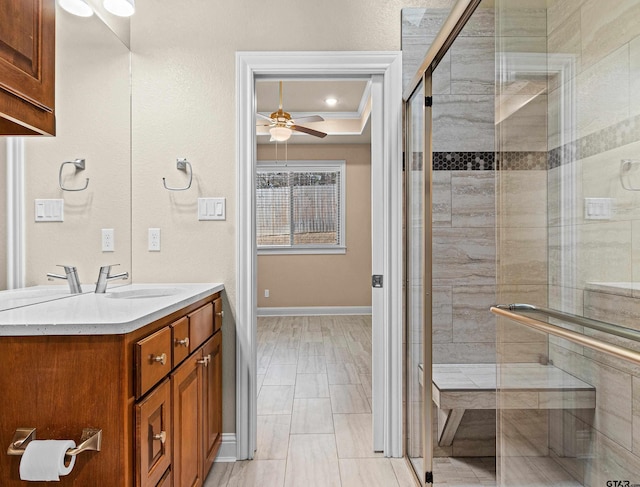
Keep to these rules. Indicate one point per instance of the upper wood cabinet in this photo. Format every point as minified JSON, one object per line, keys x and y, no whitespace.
{"x":27,"y":67}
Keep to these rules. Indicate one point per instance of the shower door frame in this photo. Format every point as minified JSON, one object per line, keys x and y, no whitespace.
{"x":458,"y":17}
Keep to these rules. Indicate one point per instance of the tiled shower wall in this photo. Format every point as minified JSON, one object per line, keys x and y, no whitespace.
{"x":463,"y":182}
{"x":603,"y":39}
{"x":592,"y":50}
{"x":464,"y":247}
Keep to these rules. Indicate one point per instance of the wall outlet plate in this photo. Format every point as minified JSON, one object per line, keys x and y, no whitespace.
{"x":108,"y":244}
{"x":154,"y":240}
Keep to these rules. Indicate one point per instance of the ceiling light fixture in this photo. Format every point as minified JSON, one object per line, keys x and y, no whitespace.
{"x":121,"y":8}
{"x":76,"y":7}
{"x":280,"y":134}
{"x":331,"y":101}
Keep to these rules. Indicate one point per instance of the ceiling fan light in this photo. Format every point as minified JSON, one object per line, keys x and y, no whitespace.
{"x":121,"y":8}
{"x":76,"y":7}
{"x":280,"y":134}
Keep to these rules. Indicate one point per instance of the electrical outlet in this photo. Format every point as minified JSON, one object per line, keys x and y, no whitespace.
{"x":108,"y":245}
{"x":266,"y":293}
{"x":154,"y":240}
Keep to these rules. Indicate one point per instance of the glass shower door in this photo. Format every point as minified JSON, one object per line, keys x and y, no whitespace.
{"x":418,"y":282}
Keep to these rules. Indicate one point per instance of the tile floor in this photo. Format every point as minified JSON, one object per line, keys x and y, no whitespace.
{"x":314,"y":413}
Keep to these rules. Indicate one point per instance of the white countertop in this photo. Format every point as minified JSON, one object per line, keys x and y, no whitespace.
{"x":103,"y":314}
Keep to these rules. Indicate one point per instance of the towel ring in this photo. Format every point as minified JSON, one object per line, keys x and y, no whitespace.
{"x":79,"y":165}
{"x":182,"y":165}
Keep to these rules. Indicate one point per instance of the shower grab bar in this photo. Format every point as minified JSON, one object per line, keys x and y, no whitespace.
{"x":511,"y":312}
{"x":610,"y":328}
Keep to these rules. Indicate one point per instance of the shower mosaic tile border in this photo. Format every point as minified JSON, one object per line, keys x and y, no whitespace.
{"x":617,"y":135}
{"x":489,"y":161}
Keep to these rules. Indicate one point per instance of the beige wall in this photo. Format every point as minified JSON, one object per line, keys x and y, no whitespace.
{"x":326,"y":280}
{"x":184,"y":85}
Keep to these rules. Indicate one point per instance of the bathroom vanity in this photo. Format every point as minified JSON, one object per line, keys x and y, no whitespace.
{"x":142,"y":363}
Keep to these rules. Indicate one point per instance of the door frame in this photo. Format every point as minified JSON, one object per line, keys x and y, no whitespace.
{"x":385,"y":70}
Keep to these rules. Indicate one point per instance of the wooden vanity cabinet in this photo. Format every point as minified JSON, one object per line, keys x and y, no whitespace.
{"x":27,"y":67}
{"x":160,"y":421}
{"x":195,"y":393}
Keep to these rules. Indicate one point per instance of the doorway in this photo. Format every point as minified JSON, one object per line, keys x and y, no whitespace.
{"x":385,"y":71}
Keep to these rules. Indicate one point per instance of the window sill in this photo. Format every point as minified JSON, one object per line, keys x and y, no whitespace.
{"x":302,"y":250}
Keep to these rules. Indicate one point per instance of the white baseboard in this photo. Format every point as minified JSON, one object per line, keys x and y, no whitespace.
{"x":227,"y":452}
{"x":315,"y":311}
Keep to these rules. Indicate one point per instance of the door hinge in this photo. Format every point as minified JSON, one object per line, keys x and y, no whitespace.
{"x":428,"y":478}
{"x":376,"y":280}
{"x":428,"y":101}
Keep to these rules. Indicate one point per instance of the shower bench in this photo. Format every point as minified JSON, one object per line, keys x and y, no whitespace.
{"x":458,"y":387}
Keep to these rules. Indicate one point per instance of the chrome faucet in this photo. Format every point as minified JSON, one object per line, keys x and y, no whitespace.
{"x":105,"y":276}
{"x":71,"y":277}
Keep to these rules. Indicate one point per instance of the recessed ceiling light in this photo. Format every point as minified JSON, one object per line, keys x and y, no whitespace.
{"x":331,"y":101}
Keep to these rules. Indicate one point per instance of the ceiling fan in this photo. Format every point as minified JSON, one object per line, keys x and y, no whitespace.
{"x":282,"y":125}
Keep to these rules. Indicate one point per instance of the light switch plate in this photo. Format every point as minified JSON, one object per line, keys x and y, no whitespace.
{"x":212,"y":209}
{"x":49,"y":210}
{"x":598,"y":208}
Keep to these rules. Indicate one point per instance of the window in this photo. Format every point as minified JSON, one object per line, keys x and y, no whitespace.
{"x":300,"y":207}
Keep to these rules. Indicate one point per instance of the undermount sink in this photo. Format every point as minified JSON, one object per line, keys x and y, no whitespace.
{"x":143,"y":293}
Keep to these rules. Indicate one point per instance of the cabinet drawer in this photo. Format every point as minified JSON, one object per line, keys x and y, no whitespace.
{"x":153,"y":359}
{"x":180,"y":339}
{"x":200,"y":325}
{"x":219,"y":314}
{"x":153,"y":436}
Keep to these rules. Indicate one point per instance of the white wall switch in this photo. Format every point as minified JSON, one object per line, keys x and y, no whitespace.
{"x":108,"y":244}
{"x":49,"y":210}
{"x":266,"y":293}
{"x":212,"y":209}
{"x":598,"y":208}
{"x":154,"y":240}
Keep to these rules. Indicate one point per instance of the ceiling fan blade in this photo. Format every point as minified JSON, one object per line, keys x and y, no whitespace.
{"x":309,"y":131}
{"x":311,"y":118}
{"x":260,"y":115}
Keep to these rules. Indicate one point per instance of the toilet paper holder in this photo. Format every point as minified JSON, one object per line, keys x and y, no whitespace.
{"x":91,"y":440}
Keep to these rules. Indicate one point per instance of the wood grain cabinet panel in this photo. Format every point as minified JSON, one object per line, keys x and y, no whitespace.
{"x":153,"y":359}
{"x":200,"y":325}
{"x":27,"y":67}
{"x":153,"y":436}
{"x":212,"y":397}
{"x":180,"y":340}
{"x":218,"y":314}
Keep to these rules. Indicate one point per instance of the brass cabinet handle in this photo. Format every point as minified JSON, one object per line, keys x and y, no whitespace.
{"x":204,"y":360}
{"x":162,"y":437}
{"x":221,"y":314}
{"x":184,"y":342}
{"x":159,"y":358}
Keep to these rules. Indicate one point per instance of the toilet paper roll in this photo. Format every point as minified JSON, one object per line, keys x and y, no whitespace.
{"x":44,"y":460}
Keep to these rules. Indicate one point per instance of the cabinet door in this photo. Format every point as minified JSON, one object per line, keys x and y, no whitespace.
{"x":153,"y":436}
{"x":27,"y":66}
{"x":186,"y":386}
{"x":212,"y":400}
{"x":166,"y":480}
